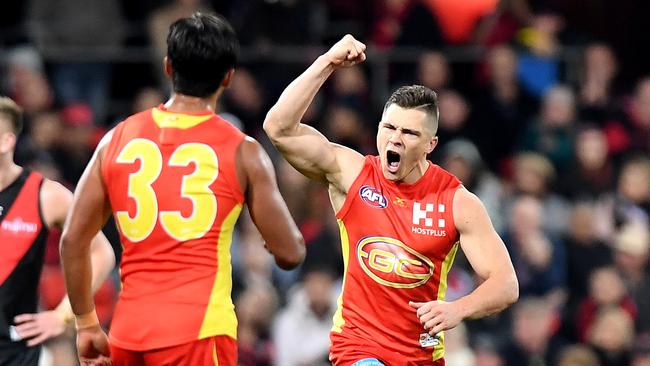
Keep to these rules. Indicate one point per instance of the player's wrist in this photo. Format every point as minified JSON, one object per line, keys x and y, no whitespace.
{"x":464,"y":307}
{"x":65,"y":315}
{"x":328,"y":61}
{"x":86,"y":320}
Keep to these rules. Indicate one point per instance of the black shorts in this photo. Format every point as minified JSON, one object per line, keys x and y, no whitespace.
{"x":27,"y":356}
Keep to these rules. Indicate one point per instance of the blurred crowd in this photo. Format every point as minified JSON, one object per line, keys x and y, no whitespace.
{"x":557,"y":148}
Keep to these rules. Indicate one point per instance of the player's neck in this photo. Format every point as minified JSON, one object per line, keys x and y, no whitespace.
{"x":188,"y":104}
{"x":9,"y":171}
{"x":416,"y":173}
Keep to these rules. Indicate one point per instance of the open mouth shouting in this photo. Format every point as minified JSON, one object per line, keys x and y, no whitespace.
{"x":393,"y":159}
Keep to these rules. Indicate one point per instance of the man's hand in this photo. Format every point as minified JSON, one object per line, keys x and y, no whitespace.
{"x":92,"y":346}
{"x":40,"y":327}
{"x":437,"y":315}
{"x":347,"y":52}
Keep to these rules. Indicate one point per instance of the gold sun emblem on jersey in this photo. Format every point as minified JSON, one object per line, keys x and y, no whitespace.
{"x":401,"y":202}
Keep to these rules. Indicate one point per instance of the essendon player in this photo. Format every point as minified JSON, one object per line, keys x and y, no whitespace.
{"x":29,"y":206}
{"x":175,"y":178}
{"x":401,"y":219}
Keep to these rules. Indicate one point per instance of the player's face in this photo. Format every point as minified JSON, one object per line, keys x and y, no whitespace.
{"x":7,"y":137}
{"x":403,"y":141}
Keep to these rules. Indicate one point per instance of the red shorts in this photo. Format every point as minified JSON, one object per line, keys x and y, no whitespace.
{"x":217,"y":350}
{"x":346,"y":352}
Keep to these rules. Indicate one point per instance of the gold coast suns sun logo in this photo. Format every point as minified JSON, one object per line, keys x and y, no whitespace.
{"x":392,"y":263}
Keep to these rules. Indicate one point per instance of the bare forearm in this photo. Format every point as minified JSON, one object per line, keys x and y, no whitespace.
{"x":103,"y":261}
{"x":492,"y":296}
{"x":286,"y":114}
{"x":77,"y":270}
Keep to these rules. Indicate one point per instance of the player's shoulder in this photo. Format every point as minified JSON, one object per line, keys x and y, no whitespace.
{"x":55,"y":200}
{"x":444,"y":179}
{"x":147,"y":114}
{"x":136,"y":119}
{"x":467,"y":206}
{"x":54,"y":192}
{"x":230,"y":129}
{"x":249,"y":148}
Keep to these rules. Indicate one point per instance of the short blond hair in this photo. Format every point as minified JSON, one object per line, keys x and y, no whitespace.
{"x":13,"y":113}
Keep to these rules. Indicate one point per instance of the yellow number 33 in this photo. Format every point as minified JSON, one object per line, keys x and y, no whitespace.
{"x":195,"y":187}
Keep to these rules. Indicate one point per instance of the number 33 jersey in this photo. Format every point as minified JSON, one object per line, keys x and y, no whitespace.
{"x":172,"y":184}
{"x":399,"y":241}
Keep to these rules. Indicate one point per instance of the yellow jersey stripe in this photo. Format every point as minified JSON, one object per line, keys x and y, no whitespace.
{"x":439,"y":350}
{"x":220,"y":318}
{"x":166,"y":119}
{"x":444,"y":271}
{"x":345,"y":249}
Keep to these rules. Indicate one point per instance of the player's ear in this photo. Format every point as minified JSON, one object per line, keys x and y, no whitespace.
{"x":167,"y":66}
{"x":433,"y":142}
{"x":227,"y":79}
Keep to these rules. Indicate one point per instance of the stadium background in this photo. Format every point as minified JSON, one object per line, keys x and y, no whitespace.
{"x":544,"y":113}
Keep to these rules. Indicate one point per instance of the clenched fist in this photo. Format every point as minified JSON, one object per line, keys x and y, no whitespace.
{"x":347,"y":52}
{"x":436,"y":316}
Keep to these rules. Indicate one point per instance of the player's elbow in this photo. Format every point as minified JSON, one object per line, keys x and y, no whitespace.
{"x":72,"y":245}
{"x":271,"y":127}
{"x":511,"y":290}
{"x":275,"y":125}
{"x":67,"y":243}
{"x":269,"y":124}
{"x":293,"y":257}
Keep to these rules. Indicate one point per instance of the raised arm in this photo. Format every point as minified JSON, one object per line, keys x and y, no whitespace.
{"x":40,"y":327}
{"x":303,"y":146}
{"x":267,"y":208}
{"x":488,"y":256}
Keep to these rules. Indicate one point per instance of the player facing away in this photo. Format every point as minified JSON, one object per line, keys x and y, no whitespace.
{"x":401,"y":220}
{"x":30,"y":205}
{"x":175,"y":179}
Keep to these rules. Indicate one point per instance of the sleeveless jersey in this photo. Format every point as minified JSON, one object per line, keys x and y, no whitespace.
{"x":399,"y":241}
{"x":23,"y":237}
{"x":173,"y":188}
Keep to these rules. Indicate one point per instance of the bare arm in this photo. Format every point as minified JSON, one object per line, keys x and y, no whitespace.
{"x":303,"y":146}
{"x":488,"y":256}
{"x":57,"y":201}
{"x":90,"y":210}
{"x":267,"y":208}
{"x":38,"y":328}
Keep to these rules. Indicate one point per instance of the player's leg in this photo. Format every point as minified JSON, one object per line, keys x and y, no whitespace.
{"x":217,"y":351}
{"x":123,"y":357}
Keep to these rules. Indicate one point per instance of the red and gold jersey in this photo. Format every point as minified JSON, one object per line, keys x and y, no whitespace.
{"x":399,"y":241}
{"x":173,"y":188}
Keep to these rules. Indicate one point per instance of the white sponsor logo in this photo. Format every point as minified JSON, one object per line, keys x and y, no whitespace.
{"x":430,"y":232}
{"x":19,"y":226}
{"x":424,"y":216}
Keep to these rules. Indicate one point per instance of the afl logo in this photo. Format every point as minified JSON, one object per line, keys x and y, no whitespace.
{"x":373,"y":197}
{"x":391,"y":263}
